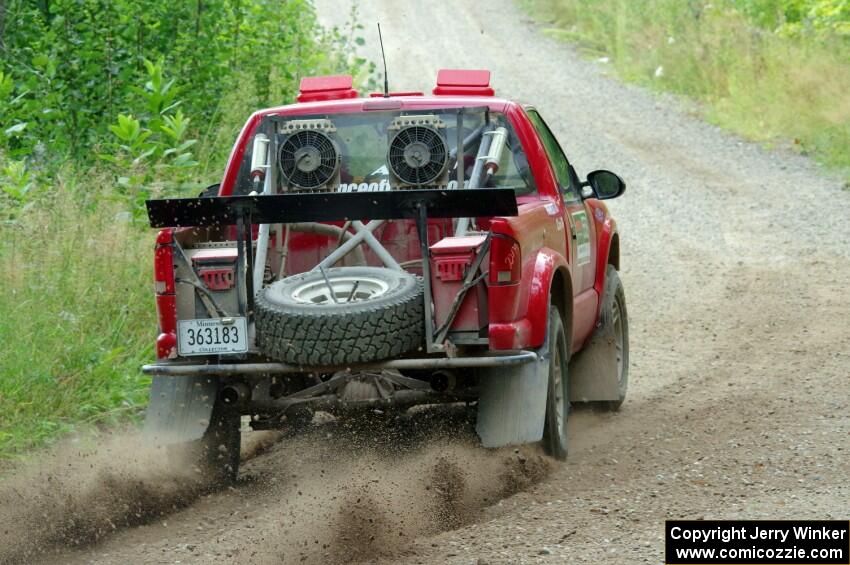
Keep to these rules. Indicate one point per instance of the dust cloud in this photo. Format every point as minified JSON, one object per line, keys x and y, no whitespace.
{"x":79,"y":493}
{"x":345,"y":491}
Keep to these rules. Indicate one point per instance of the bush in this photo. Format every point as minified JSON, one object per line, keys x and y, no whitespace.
{"x":69,"y":67}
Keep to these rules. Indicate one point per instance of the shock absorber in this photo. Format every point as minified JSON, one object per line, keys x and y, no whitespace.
{"x":259,"y":159}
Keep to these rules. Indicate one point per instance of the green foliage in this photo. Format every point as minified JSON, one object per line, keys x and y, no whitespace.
{"x":158,"y":94}
{"x":156,"y":87}
{"x":773,"y":70}
{"x":798,"y":17}
{"x":69,"y":67}
{"x":17,"y":184}
{"x":133,"y":140}
{"x":16,"y":180}
{"x":141,"y":153}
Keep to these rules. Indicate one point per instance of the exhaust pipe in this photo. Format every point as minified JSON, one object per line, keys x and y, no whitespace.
{"x":234,"y":394}
{"x":443,"y":381}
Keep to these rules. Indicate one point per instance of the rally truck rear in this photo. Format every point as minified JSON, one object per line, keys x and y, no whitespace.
{"x":383,"y":252}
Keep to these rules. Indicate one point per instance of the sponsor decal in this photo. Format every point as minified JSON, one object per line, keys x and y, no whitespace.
{"x":383,"y":186}
{"x":580,"y":223}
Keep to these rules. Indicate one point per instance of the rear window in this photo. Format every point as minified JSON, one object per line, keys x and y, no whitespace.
{"x":377,"y":151}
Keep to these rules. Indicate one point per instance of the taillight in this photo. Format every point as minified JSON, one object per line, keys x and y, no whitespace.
{"x":166,"y":305}
{"x":505,"y":260}
{"x":163,"y":265}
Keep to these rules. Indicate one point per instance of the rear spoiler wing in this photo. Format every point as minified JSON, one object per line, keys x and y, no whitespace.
{"x":333,"y":206}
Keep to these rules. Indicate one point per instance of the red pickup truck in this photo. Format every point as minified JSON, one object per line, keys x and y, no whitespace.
{"x":387,"y":251}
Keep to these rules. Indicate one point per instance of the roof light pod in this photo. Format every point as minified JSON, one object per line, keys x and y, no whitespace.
{"x":463,"y":82}
{"x":317,"y":89}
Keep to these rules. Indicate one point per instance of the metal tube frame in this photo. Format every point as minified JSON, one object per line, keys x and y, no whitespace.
{"x":331,"y":402}
{"x":350,"y":244}
{"x":240,"y":268}
{"x":422,"y":231}
{"x":166,"y":369}
{"x":379,"y":249}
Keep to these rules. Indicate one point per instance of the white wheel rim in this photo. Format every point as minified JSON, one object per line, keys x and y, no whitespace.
{"x":560,"y":394}
{"x":617,"y":323}
{"x":339,"y":290}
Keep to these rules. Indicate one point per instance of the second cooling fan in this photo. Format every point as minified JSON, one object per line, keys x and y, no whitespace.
{"x":418,"y":154}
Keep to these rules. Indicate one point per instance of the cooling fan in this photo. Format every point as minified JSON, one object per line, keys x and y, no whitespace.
{"x":309,"y":158}
{"x":418,"y":154}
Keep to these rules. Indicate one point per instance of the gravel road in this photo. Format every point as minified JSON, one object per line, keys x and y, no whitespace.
{"x":735,"y":267}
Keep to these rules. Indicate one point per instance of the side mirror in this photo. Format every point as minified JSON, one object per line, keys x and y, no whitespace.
{"x":605,"y":184}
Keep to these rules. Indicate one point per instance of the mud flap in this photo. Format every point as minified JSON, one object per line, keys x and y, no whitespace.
{"x":179,"y":409}
{"x":512,"y":404}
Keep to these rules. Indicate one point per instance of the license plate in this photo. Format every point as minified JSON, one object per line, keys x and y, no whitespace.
{"x":212,"y":336}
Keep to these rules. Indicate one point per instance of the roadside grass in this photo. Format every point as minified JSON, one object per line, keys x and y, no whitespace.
{"x":77,"y":316}
{"x":769,"y":86}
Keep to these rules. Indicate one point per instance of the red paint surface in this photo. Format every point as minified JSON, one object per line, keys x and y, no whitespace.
{"x":606,"y":227}
{"x":166,"y":345}
{"x":314,"y":89}
{"x":463,"y":82}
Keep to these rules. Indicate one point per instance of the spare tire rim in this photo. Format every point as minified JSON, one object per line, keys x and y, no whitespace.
{"x":339,"y":290}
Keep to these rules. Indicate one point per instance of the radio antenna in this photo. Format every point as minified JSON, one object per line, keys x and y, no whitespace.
{"x":384,"y":57}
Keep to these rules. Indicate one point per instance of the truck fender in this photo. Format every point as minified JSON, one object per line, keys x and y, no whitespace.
{"x":547,"y":263}
{"x":179,"y":409}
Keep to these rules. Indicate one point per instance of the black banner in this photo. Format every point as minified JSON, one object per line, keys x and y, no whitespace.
{"x":757,"y":542}
{"x":331,"y":206}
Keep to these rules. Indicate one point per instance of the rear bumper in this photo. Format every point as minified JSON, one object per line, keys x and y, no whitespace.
{"x":180,"y":369}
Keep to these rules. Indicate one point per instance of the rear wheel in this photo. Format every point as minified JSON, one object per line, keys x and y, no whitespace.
{"x":557,"y":399}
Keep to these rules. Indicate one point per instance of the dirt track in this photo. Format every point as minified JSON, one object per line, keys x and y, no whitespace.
{"x":735,"y":267}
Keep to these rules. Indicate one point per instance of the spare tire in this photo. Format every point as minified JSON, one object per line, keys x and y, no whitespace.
{"x":355,"y":315}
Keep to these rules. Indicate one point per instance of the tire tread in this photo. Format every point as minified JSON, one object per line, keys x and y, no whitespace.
{"x":359,"y":333}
